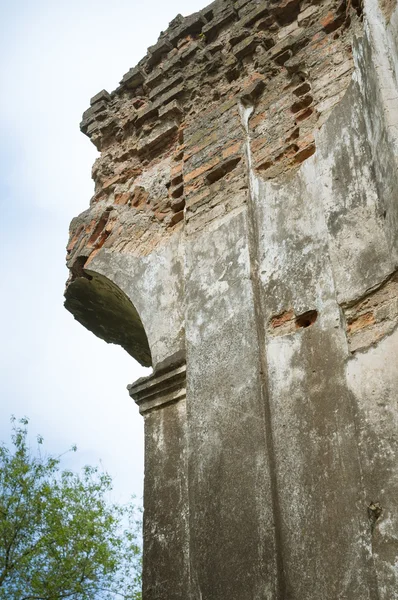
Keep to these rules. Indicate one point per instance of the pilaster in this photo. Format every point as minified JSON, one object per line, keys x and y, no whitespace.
{"x":161,"y":400}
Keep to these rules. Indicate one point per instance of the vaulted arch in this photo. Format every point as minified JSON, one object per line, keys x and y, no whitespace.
{"x":103,"y":308}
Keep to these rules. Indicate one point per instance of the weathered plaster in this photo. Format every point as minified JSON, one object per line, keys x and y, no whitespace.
{"x":156,"y":288}
{"x":374,"y":386}
{"x":243,"y":240}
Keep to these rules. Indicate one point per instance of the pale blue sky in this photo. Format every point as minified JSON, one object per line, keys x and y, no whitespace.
{"x":53,"y":57}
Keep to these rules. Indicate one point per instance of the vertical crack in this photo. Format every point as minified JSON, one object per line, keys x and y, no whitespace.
{"x":253,"y":242}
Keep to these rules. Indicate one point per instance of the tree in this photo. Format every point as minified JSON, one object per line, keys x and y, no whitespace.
{"x":59,"y":536}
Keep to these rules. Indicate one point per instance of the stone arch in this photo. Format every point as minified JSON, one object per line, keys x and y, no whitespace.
{"x":104,"y":308}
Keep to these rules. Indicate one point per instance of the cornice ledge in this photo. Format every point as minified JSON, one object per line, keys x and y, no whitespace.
{"x":160,"y":388}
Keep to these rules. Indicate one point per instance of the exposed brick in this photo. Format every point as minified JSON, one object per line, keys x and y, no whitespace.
{"x":157,"y":138}
{"x":139,"y":196}
{"x":177,"y":217}
{"x":171,"y":109}
{"x":122,"y":198}
{"x":373,"y":316}
{"x":287,"y":322}
{"x":304,"y":153}
{"x":231,"y":149}
{"x":332,"y":22}
{"x":103,"y":95}
{"x":133,"y":78}
{"x":200,"y":170}
{"x":222,"y":169}
{"x":180,"y":104}
{"x":147,"y":112}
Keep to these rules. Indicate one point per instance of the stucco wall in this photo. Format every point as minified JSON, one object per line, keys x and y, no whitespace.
{"x":253,"y":227}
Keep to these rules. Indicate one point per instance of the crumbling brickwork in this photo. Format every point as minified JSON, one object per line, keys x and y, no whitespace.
{"x":243,"y":241}
{"x":171,"y":135}
{"x":371,"y":318}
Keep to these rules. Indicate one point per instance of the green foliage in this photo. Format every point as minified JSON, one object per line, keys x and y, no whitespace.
{"x":59,"y":536}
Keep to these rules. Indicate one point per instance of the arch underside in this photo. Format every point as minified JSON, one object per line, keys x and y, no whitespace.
{"x":102,"y":307}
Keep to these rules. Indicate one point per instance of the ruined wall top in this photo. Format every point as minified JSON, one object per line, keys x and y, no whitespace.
{"x":169,"y":133}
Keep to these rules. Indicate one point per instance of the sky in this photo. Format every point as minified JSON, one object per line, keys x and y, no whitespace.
{"x":54,"y":56}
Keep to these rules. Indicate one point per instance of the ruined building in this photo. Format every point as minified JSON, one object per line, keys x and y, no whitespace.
{"x":242,"y":240}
